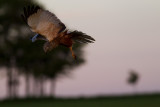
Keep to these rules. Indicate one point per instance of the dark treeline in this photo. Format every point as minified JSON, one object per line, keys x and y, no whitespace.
{"x":22,"y":57}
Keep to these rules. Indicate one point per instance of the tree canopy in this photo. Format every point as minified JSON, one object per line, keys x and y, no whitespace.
{"x":27,"y":57}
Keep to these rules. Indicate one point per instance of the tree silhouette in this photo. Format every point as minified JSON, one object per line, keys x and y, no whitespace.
{"x":133,"y":78}
{"x":26,"y":58}
{"x":10,"y":28}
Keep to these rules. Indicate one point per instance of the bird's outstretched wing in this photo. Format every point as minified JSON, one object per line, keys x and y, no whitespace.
{"x":43,"y":22}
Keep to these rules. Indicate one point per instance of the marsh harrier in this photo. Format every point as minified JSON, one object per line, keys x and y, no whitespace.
{"x":49,"y":28}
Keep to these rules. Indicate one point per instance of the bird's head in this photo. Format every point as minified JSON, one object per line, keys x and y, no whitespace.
{"x":48,"y":46}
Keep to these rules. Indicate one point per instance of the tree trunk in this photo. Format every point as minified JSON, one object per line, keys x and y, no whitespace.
{"x":14,"y":77}
{"x":52,"y":87}
{"x":15,"y":83}
{"x":9,"y":83}
{"x":36,"y":87}
{"x":27,"y":88}
{"x":42,"y":86}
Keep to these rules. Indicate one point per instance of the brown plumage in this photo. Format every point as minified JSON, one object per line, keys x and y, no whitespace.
{"x":49,"y":28}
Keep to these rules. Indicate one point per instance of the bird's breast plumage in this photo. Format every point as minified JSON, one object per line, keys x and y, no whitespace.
{"x":66,"y":41}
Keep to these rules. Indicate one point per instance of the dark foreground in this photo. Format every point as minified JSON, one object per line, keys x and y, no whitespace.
{"x":128,"y":101}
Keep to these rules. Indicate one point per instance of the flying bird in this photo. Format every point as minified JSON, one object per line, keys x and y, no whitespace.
{"x":48,"y":27}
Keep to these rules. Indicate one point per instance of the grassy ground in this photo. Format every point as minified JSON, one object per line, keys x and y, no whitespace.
{"x":136,"y":101}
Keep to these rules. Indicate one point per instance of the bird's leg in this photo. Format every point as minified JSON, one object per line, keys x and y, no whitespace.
{"x":73,"y":55}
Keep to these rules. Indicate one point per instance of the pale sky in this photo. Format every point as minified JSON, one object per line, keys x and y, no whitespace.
{"x":127,"y":34}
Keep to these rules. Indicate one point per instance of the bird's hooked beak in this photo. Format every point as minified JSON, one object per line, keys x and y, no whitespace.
{"x":34,"y":38}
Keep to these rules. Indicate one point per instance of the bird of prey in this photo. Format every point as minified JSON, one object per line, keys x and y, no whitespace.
{"x":48,"y":27}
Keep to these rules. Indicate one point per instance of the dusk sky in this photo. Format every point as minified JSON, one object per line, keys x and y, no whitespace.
{"x":127,"y":34}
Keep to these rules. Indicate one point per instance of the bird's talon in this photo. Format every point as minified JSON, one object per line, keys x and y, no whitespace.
{"x":74,"y":57}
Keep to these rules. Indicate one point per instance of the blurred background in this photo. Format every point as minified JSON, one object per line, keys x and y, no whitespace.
{"x":124,"y":60}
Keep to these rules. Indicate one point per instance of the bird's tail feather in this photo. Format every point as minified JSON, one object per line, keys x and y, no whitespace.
{"x":81,"y":37}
